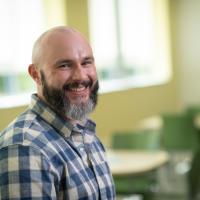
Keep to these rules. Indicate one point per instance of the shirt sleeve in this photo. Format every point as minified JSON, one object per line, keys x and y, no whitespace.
{"x":25,"y":174}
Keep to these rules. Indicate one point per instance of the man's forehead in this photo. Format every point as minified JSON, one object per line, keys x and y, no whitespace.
{"x":63,"y":31}
{"x":64,"y":39}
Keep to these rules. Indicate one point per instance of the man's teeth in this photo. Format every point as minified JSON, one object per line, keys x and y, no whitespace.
{"x":79,"y":89}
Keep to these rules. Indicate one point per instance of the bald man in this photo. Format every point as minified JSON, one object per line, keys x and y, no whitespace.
{"x":51,"y":150}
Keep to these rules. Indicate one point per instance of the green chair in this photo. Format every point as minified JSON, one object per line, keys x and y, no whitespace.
{"x":179,"y":133}
{"x":194,"y":178}
{"x":143,"y":185}
{"x":136,"y":140}
{"x":193,"y":110}
{"x":180,"y":139}
{"x":194,"y":175}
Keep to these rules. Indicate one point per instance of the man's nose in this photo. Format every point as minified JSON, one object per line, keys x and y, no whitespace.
{"x":78,"y":73}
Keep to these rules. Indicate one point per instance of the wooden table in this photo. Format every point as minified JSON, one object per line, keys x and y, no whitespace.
{"x":131,"y":162}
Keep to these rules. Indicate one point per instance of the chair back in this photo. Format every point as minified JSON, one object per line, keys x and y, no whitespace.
{"x":178,"y":132}
{"x":138,"y":140}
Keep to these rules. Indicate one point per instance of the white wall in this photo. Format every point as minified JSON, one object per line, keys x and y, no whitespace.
{"x":185,"y":18}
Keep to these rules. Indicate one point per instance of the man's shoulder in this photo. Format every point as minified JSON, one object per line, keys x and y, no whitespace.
{"x":16,"y":132}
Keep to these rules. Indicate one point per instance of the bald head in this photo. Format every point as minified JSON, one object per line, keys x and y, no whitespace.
{"x":65,"y":73}
{"x":47,"y":38}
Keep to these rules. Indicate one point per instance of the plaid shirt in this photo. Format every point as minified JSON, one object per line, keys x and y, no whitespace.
{"x":45,"y":157}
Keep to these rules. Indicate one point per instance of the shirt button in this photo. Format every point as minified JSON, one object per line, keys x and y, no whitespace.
{"x":82,"y":149}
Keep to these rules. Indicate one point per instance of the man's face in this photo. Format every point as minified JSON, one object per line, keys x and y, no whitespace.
{"x":68,"y":76}
{"x":60,"y":102}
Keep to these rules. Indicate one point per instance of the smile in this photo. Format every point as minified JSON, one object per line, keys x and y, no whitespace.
{"x":78,"y":89}
{"x":78,"y":86}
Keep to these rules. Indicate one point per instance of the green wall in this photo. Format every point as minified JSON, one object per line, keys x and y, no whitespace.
{"x":7,"y":115}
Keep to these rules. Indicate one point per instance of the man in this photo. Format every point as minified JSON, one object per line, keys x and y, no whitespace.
{"x":51,"y":151}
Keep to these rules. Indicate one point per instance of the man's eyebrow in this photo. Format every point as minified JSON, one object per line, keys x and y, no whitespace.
{"x":61,"y":61}
{"x":89,"y":58}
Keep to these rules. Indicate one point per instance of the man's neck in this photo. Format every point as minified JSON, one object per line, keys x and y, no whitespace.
{"x":73,"y":121}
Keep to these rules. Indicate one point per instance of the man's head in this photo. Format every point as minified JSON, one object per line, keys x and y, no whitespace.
{"x":64,"y":70}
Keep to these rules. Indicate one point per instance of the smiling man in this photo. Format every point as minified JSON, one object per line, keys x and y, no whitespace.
{"x":51,"y":150}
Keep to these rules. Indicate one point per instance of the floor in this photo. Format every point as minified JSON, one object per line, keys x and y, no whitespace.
{"x":170,"y":197}
{"x":157,"y":197}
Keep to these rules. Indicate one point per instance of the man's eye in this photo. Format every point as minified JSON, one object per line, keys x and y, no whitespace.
{"x":65,"y":65}
{"x":87,"y":62}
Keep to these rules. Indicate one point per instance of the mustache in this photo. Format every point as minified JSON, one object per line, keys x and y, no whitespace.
{"x":76,"y":84}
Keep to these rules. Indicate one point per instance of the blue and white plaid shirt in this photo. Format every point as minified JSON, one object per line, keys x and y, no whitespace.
{"x":42,"y":156}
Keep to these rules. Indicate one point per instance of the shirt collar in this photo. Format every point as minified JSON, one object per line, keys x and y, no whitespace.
{"x":61,"y":125}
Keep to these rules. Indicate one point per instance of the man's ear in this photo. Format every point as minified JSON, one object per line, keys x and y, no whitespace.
{"x":34,"y":73}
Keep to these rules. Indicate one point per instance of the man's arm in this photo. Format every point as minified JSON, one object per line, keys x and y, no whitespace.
{"x":25,"y":173}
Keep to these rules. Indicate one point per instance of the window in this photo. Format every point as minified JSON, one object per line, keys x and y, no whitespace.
{"x":21,"y":23}
{"x":130,"y":42}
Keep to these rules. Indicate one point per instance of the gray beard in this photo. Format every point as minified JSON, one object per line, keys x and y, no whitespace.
{"x":80,"y":111}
